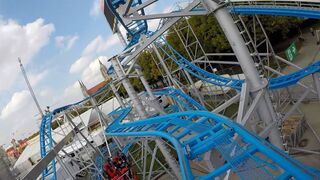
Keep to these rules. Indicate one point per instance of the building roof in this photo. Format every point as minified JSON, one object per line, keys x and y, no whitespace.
{"x":96,"y":87}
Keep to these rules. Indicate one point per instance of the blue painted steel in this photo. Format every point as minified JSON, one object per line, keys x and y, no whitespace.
{"x":274,"y":83}
{"x":46,"y":142}
{"x":277,"y":11}
{"x":99,"y":164}
{"x":203,"y":131}
{"x":195,"y":70}
{"x":134,"y":28}
{"x":293,"y":78}
{"x":181,"y":98}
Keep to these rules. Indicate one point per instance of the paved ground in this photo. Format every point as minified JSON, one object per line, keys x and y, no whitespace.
{"x":309,"y":53}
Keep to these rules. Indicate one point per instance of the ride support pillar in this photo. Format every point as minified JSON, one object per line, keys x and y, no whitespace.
{"x":246,"y":62}
{"x":101,"y":118}
{"x":145,"y":83}
{"x":137,"y":104}
{"x":316,"y":80}
{"x":164,"y":66}
{"x":104,"y":72}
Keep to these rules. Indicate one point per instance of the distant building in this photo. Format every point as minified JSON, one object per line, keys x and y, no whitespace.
{"x":96,"y":88}
{"x":17,"y":147}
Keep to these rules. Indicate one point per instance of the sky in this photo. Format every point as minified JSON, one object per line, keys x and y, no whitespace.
{"x":59,"y":43}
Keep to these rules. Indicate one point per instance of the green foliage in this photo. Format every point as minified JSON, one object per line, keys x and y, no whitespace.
{"x":209,"y":34}
{"x":213,"y":40}
{"x":33,"y":135}
{"x":149,"y":67}
{"x":56,"y":124}
{"x":278,"y":28}
{"x":212,"y":37}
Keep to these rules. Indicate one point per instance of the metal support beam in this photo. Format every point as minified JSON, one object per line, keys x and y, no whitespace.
{"x":169,"y":158}
{"x":154,"y":101}
{"x":246,"y":62}
{"x":164,"y":66}
{"x":104,"y":73}
{"x":252,"y":108}
{"x":101,"y":118}
{"x":132,"y":10}
{"x":304,"y":150}
{"x":171,"y":22}
{"x":223,"y":106}
{"x":197,"y":92}
{"x":244,"y":98}
{"x":295,"y":106}
{"x":168,"y":15}
{"x":42,"y":164}
{"x":281,"y":74}
{"x":316,"y":81}
{"x":137,"y":104}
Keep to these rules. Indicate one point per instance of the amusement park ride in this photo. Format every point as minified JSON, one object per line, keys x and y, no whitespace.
{"x":175,"y":132}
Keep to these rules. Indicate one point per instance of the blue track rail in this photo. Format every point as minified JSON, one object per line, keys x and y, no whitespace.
{"x":274,"y":83}
{"x":46,"y":144}
{"x":46,"y":141}
{"x":187,"y":103}
{"x":194,"y":133}
{"x":134,"y":28}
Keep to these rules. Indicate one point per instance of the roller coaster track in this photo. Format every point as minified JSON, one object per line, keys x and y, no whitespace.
{"x":297,"y":8}
{"x":274,"y":83}
{"x":302,"y":8}
{"x":222,"y":127}
{"x":46,"y":140}
{"x":194,"y":133}
{"x":182,"y":99}
{"x":219,"y":134}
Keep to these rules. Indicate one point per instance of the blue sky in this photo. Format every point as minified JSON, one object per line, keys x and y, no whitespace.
{"x":59,"y":43}
{"x":49,"y":36}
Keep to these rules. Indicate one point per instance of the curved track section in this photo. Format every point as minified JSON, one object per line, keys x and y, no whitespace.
{"x":194,"y":133}
{"x":274,"y":83}
{"x":181,"y":98}
{"x":297,"y":8}
{"x":134,"y":28}
{"x":46,"y":144}
{"x":46,"y":141}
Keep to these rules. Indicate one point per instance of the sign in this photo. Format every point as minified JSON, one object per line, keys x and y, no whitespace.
{"x":291,"y":52}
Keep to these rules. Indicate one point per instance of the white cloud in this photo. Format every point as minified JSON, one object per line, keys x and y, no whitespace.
{"x":96,"y":46}
{"x":99,"y":45}
{"x":18,"y":116}
{"x":70,"y":95}
{"x":37,"y":77}
{"x":91,"y":75}
{"x":153,"y":24}
{"x":95,"y":8}
{"x":66,"y":42}
{"x":89,"y":67}
{"x":23,"y":41}
{"x":80,"y":64}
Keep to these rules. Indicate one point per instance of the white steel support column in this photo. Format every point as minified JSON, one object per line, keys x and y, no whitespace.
{"x":100,"y":116}
{"x":146,"y":85}
{"x":129,"y":88}
{"x":164,"y":66}
{"x":246,"y":62}
{"x":103,"y":70}
{"x":144,"y":81}
{"x":141,"y":111}
{"x":196,"y":91}
{"x":316,"y":80}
